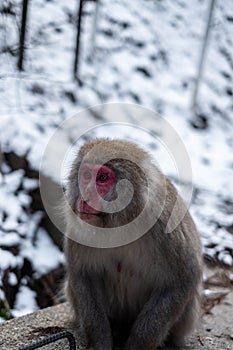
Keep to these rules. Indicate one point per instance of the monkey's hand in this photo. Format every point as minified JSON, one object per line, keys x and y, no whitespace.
{"x":158,"y":317}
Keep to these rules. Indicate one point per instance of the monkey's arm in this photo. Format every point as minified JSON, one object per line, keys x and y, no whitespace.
{"x":155,"y":320}
{"x":164,"y":308}
{"x":86,"y":297}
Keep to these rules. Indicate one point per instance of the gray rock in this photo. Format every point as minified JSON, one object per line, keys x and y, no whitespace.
{"x":216,"y":332}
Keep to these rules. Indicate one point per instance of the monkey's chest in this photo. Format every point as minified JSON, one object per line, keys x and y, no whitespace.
{"x":127,"y":289}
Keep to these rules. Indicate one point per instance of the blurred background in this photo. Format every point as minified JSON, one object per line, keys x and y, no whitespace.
{"x":56,"y":59}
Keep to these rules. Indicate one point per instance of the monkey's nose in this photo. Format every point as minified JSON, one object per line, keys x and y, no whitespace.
{"x":85,"y":199}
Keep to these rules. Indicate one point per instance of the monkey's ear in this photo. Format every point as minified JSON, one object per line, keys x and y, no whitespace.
{"x":72,"y":190}
{"x":74,"y":171}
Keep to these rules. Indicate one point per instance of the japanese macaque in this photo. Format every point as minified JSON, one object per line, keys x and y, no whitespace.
{"x":142,"y":294}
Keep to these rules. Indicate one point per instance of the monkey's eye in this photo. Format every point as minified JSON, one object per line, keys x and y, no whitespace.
{"x":87,"y":175}
{"x":102,"y":178}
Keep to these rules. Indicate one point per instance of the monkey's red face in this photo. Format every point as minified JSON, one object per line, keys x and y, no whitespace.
{"x":95,"y":181}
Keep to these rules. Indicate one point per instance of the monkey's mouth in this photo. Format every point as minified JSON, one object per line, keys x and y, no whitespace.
{"x":88,"y":215}
{"x":87,"y":212}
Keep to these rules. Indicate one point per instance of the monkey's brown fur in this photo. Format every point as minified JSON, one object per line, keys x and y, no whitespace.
{"x":142,"y":294}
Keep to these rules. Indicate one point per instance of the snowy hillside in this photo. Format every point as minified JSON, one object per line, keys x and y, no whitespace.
{"x":146,"y":52}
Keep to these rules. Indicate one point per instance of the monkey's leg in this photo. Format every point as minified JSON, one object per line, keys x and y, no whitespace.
{"x":87,"y":298}
{"x":156,"y":319}
{"x":185,"y":323}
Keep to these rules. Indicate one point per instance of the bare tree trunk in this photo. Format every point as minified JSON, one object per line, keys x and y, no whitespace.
{"x":94,"y":29}
{"x":22,"y":34}
{"x":76,"y":57}
{"x":202,"y":57}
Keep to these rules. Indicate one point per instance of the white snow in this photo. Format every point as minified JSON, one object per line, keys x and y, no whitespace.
{"x":7,"y":259}
{"x":12,"y":279}
{"x":45,"y":256}
{"x":9,"y":239}
{"x":30,"y":184}
{"x":25,"y":302}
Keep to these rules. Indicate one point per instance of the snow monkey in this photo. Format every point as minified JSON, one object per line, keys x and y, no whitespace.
{"x":139,"y":295}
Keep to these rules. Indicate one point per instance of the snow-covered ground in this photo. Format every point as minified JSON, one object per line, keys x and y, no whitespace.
{"x":146,"y":52}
